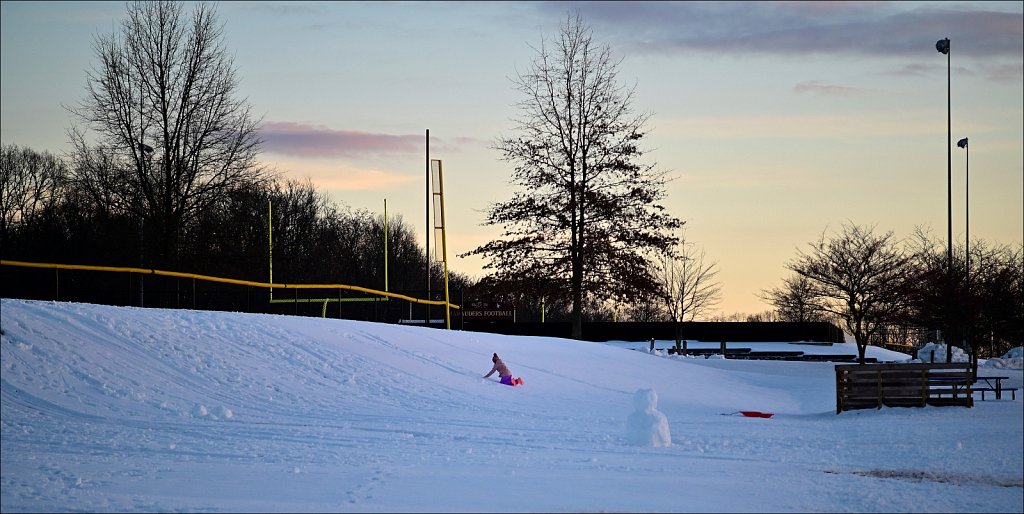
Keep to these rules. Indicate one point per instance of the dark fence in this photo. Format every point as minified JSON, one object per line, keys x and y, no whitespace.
{"x":115,"y":286}
{"x":112,"y":288}
{"x":712,"y":331}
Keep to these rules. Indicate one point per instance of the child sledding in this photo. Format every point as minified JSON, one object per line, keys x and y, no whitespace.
{"x":504,"y":375}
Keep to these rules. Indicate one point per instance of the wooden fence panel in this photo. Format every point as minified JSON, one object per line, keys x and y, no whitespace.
{"x":903,"y":385}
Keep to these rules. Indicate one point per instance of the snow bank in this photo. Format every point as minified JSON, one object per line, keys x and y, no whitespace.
{"x":936,"y":352}
{"x":1013,"y":359}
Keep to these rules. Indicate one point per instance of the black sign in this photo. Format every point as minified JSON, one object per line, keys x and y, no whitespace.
{"x":488,"y":311}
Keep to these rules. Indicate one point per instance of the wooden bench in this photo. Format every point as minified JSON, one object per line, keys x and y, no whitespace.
{"x":775,"y":355}
{"x":1012,"y":390}
{"x":865,"y":386}
{"x":711,"y":351}
{"x":825,"y":357}
{"x":995,"y":385}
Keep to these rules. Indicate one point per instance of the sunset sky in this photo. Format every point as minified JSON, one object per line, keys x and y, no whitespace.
{"x":776,"y":120}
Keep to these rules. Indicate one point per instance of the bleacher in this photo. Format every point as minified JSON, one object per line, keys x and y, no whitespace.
{"x":752,"y":353}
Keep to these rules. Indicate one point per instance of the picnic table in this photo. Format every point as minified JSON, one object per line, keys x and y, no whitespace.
{"x":995,"y":384}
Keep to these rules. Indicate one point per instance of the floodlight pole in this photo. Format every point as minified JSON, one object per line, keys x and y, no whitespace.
{"x":426,"y":226}
{"x":949,"y":168}
{"x":949,"y":186}
{"x":967,"y":253}
{"x":967,"y":210}
{"x":967,"y":270}
{"x":942,"y":46}
{"x":967,"y":213}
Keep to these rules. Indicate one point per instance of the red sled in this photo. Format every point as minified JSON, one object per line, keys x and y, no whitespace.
{"x":512,"y":381}
{"x":756,"y":414}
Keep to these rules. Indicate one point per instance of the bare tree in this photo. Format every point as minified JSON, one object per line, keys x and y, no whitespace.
{"x":29,"y":183}
{"x":795,"y":300}
{"x":170,"y":136}
{"x":687,"y":283}
{"x":985,"y":308}
{"x":857,"y":276}
{"x":648,"y":307}
{"x":768,"y":316}
{"x":937,"y":294}
{"x":588,"y":212}
{"x":997,"y":295}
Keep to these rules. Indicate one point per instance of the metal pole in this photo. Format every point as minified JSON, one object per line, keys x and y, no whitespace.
{"x":973,"y":352}
{"x":949,"y":170}
{"x":270,"y":245}
{"x":427,"y":227}
{"x":967,"y":216}
{"x":142,"y":163}
{"x":949,"y":195}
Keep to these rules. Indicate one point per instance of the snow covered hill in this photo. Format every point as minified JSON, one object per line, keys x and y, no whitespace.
{"x":126,"y":409}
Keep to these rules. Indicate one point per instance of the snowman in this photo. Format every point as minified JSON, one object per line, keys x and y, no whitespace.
{"x":647,"y":426}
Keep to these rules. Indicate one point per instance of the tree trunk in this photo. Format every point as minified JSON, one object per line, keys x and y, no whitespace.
{"x":577,"y":296}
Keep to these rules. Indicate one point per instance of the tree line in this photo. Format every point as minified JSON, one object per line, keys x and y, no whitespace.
{"x":884,"y":291}
{"x":46,"y":216}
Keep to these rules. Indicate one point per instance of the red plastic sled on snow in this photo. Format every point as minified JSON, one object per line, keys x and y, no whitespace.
{"x":751,"y":414}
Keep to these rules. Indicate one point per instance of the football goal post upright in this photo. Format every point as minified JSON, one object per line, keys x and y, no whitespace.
{"x":441,"y":251}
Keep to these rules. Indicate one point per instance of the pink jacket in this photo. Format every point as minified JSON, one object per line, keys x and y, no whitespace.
{"x":500,"y":367}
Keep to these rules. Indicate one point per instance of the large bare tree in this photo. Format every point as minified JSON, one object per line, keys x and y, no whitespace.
{"x":859,"y":277}
{"x":587,"y":211}
{"x":170,"y":135}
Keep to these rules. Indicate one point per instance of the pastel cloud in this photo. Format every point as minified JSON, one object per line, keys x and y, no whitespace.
{"x":801,"y":126}
{"x":817,"y":87}
{"x":301,"y":140}
{"x":334,"y":177}
{"x":800,"y":28}
{"x":317,"y":141}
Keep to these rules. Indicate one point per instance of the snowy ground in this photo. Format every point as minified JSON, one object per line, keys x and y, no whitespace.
{"x":126,"y":409}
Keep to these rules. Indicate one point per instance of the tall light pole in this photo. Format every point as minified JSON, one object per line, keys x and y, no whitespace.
{"x":942,"y":46}
{"x":967,"y":210}
{"x":967,"y":253}
{"x":426,"y":227}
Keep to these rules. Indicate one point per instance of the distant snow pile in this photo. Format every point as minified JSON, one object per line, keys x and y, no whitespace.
{"x":217,"y":413}
{"x":936,"y":352}
{"x":1013,"y":359}
{"x":647,"y":426}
